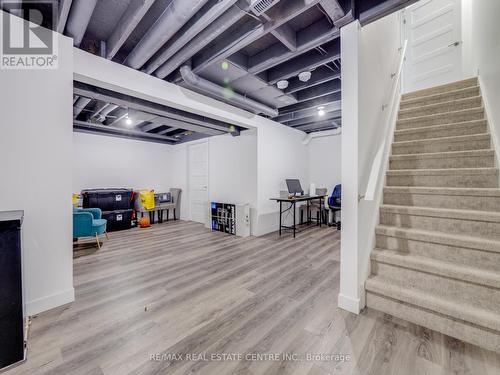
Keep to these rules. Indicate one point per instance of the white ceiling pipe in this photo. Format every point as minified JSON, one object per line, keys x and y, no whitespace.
{"x":101,"y":116}
{"x":200,"y":41}
{"x":188,"y":32}
{"x":171,"y":20}
{"x":79,"y":106}
{"x":204,"y":85}
{"x":79,"y":18}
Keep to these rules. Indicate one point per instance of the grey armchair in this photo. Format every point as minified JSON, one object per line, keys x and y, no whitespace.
{"x":314,"y":208}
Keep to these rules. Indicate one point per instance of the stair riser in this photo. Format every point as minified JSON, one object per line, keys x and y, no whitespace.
{"x":457,"y":255}
{"x":447,"y":131}
{"x":447,"y":118}
{"x":440,"y":108}
{"x":441,"y":89}
{"x":467,"y":332}
{"x":442,"y":98}
{"x":480,"y":295}
{"x":462,"y":226}
{"x":443,"y":163}
{"x":470,"y":181}
{"x":444,"y":201}
{"x":441,"y":146}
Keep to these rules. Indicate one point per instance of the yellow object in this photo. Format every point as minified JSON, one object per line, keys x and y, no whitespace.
{"x":147,"y":199}
{"x":76,"y":196}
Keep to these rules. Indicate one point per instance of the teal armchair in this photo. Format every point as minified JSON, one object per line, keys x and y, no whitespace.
{"x":88,"y":222}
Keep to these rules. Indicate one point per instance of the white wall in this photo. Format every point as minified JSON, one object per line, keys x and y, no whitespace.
{"x":36,"y":154}
{"x":280,"y":155}
{"x":369,"y":57}
{"x":484,"y":50}
{"x":102,"y":161}
{"x":325,"y":161}
{"x":232,"y":170}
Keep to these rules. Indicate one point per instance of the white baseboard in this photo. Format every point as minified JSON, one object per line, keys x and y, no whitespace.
{"x":49,"y":302}
{"x":349,"y":304}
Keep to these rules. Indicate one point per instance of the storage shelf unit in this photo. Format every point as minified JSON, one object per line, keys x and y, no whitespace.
{"x":230,"y":218}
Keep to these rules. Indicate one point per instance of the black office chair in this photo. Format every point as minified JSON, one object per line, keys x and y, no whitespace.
{"x":335,"y":204}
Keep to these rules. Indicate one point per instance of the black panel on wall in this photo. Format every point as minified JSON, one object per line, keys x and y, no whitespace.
{"x":11,"y":290}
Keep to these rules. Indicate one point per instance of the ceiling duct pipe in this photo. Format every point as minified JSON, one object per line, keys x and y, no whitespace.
{"x":79,"y":18}
{"x":102,"y":115}
{"x":189,"y":31}
{"x":171,"y":20}
{"x":201,"y":40}
{"x":209,"y":87}
{"x":79,"y":106}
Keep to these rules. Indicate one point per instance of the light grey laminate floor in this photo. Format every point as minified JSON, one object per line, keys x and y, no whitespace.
{"x":178,"y":299}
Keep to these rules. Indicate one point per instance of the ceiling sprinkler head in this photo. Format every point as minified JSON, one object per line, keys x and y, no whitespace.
{"x":304,"y":76}
{"x":283,"y":84}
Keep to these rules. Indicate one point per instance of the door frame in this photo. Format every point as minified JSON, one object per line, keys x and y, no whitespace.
{"x":188,"y":168}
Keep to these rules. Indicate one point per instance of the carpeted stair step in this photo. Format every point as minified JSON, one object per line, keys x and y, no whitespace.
{"x":433,"y":109}
{"x":451,"y":316}
{"x":443,"y":197}
{"x":442,"y":160}
{"x":441,"y":267}
{"x":467,"y":92}
{"x":472,"y":114}
{"x":485,"y":224}
{"x":440,"y":131}
{"x":458,"y":143}
{"x":457,"y":177}
{"x":462,"y":250}
{"x":454,"y":86}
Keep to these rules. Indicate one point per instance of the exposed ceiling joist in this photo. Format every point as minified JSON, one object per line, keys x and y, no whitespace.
{"x":317,"y":91}
{"x":307,"y":61}
{"x":82,"y":125}
{"x":333,"y":9}
{"x":315,"y":118}
{"x":64,"y":7}
{"x":280,"y":14}
{"x":313,"y":36}
{"x":319,"y":76}
{"x":314,"y":103}
{"x":190,"y":121}
{"x":319,"y":125}
{"x":129,"y":21}
{"x":208,"y":14}
{"x":335,"y":106}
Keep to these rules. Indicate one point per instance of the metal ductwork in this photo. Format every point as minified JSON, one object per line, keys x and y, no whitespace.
{"x":189,"y":31}
{"x":79,"y":18}
{"x":101,"y":115}
{"x":200,"y":41}
{"x":171,"y":20}
{"x":202,"y":84}
{"x":79,"y":106}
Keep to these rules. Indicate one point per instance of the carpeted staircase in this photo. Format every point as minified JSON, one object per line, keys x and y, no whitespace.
{"x":437,"y":256}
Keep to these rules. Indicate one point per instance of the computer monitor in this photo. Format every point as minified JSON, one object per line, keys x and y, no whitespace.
{"x":294,"y":186}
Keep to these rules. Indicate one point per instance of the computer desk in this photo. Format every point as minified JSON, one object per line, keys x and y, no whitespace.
{"x":293,"y":201}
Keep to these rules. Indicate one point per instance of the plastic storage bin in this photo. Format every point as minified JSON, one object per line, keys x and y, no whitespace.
{"x":108,"y":199}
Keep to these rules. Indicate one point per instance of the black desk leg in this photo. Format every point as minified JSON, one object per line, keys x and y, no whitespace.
{"x":294,"y":209}
{"x":320,"y":211}
{"x":281,"y":204}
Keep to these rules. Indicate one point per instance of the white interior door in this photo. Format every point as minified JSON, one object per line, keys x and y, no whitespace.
{"x":198,"y":181}
{"x":434,"y":52}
